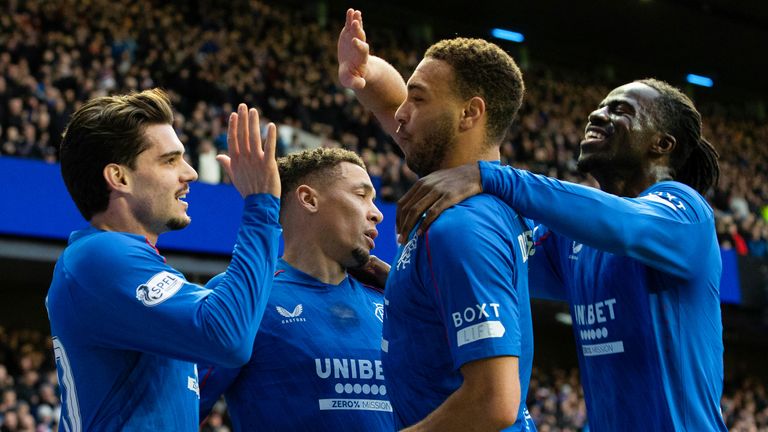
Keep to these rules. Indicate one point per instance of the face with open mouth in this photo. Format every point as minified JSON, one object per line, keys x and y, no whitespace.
{"x":160,"y":182}
{"x":620,"y":131}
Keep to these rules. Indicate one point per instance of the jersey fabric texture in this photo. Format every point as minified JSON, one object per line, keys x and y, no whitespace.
{"x":455,"y":294}
{"x":127,"y":328}
{"x":316,"y":362}
{"x":642,"y":276}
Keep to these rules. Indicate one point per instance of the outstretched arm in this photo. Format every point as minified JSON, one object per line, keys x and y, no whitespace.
{"x":377,"y":85}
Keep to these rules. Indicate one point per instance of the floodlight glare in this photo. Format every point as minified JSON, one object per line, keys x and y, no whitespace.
{"x":507,"y":35}
{"x":699,"y":80}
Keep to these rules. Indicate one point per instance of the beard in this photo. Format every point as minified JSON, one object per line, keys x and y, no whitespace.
{"x":175,"y":224}
{"x":428,"y":154}
{"x":360,"y":257}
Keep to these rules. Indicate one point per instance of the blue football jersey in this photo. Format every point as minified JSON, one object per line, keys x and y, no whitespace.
{"x":455,"y":294}
{"x":127,"y":328}
{"x":316,"y":362}
{"x":642,"y":277}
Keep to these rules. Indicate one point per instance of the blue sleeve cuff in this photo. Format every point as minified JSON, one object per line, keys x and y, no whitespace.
{"x":263,"y":207}
{"x":490,"y":178}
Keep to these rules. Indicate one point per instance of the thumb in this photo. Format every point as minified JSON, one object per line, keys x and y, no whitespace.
{"x":225,"y":163}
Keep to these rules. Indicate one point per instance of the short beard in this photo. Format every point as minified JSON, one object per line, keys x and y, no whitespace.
{"x":176,"y":224}
{"x":429,"y":154}
{"x":361,"y":257}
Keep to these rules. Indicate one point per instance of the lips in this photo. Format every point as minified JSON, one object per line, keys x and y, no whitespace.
{"x":594,"y":134}
{"x":370,"y":235}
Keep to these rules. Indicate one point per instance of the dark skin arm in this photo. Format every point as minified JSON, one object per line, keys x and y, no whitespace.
{"x":374,"y":273}
{"x":435,"y":193}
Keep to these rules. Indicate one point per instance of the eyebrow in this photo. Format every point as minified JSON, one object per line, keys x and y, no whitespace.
{"x":367,"y":187}
{"x":416,"y":86}
{"x":170,"y":154}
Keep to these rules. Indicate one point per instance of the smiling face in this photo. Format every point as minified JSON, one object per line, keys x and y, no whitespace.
{"x":347,"y":215}
{"x":428,"y":117}
{"x":160,"y":181}
{"x":620,"y":131}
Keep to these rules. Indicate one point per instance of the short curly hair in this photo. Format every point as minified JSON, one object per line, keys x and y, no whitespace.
{"x":483,"y":69}
{"x":312,"y":165}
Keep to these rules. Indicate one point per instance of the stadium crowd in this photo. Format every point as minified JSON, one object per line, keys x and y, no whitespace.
{"x":29,"y":391}
{"x":283,"y":61}
{"x":211,"y":56}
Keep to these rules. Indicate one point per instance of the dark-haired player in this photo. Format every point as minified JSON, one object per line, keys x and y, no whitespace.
{"x":457,"y":339}
{"x":316,"y":362}
{"x":127,"y":328}
{"x":638,"y":262}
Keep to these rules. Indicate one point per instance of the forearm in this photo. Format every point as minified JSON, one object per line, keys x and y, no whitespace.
{"x":233,"y":311}
{"x":383,"y":93}
{"x":624,"y":226}
{"x":466,"y":410}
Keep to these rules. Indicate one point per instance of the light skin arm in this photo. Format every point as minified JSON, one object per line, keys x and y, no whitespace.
{"x":488,"y":399}
{"x":377,"y":85}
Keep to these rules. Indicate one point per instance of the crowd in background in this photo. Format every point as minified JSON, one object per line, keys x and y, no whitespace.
{"x":29,"y":393}
{"x":54,"y":55}
{"x":211,"y":57}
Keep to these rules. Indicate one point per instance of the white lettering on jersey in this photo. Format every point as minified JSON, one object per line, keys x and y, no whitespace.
{"x":479,"y":311}
{"x":291,"y":317}
{"x":159,"y":288}
{"x":483,"y":330}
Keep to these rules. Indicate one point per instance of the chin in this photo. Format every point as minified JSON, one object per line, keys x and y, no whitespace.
{"x":176,"y":224}
{"x":360,"y":257}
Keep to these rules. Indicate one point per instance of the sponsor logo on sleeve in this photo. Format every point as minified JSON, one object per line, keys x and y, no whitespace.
{"x":487,"y":328}
{"x":159,"y":288}
{"x":379,"y":312}
{"x":666,"y":199}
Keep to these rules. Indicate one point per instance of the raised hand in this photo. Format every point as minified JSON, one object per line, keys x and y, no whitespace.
{"x":352,"y":52}
{"x":435,"y":193}
{"x":251,"y":164}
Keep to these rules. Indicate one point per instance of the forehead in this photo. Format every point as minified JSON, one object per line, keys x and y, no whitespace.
{"x":162,"y":139}
{"x":432,"y":75}
{"x":350,"y":173}
{"x":637,"y":94}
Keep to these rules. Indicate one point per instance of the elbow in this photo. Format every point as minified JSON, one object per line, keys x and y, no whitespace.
{"x":234,"y":355}
{"x":505,"y":415}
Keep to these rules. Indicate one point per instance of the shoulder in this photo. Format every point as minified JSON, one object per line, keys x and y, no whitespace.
{"x":679,"y":198}
{"x":482,"y":209}
{"x":108,"y":251}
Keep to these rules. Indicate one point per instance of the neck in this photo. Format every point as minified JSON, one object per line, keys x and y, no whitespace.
{"x":468,"y":152}
{"x":308,"y":257}
{"x":113,"y":220}
{"x":631,"y":183}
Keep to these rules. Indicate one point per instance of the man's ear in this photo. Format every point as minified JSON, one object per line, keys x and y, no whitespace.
{"x":117,"y":177}
{"x":664,"y":145}
{"x":307,"y":198}
{"x":473,"y":112}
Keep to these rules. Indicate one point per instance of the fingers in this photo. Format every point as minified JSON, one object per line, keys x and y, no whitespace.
{"x":242,"y":129}
{"x":254,"y":132}
{"x":225,"y":163}
{"x":271,"y":142}
{"x":410,"y":207}
{"x":232,"y":145}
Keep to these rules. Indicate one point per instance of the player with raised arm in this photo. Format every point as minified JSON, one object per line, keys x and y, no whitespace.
{"x":457,"y":340}
{"x":127,"y":328}
{"x":638,"y":262}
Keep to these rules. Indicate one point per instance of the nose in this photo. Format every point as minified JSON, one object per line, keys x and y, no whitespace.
{"x":599,"y":115}
{"x":401,"y":115}
{"x":189,"y":174}
{"x":375,"y":215}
